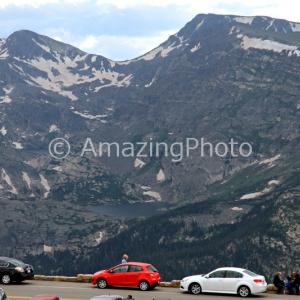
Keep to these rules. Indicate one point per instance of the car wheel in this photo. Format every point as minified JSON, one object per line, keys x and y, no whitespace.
{"x":144,"y":286}
{"x":101,"y":283}
{"x":244,"y":291}
{"x":6,"y":279}
{"x":195,"y":288}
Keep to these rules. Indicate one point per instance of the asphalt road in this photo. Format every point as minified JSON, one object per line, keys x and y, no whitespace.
{"x":85,"y":291}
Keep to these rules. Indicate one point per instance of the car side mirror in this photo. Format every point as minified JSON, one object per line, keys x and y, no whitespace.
{"x":206,"y":276}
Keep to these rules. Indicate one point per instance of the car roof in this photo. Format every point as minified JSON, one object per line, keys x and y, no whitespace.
{"x":231,"y":269}
{"x":136,"y":263}
{"x":8,"y":258}
{"x":5,"y":258}
{"x":106,"y":297}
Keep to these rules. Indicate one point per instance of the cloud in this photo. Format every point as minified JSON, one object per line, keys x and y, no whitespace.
{"x":90,"y":42}
{"x":23,"y":3}
{"x":131,"y":46}
{"x":124,"y":29}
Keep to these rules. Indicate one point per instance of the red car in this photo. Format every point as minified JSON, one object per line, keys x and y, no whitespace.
{"x":141,"y":275}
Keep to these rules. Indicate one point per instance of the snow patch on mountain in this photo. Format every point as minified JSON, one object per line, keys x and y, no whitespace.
{"x":58,"y":168}
{"x":98,"y":240}
{"x":116,"y":82}
{"x":138,"y":163}
{"x":4,"y":54}
{"x":26,"y":178}
{"x":152,"y":194}
{"x":269,"y":188}
{"x":160,"y":50}
{"x":295,"y":26}
{"x":87,"y":116}
{"x":274,"y":182}
{"x":199,"y":25}
{"x":53,"y":128}
{"x":17,"y":145}
{"x":245,"y":20}
{"x":8,"y":181}
{"x":266,"y":45}
{"x":236,"y":208}
{"x":3,"y":130}
{"x":8,"y":90}
{"x":270,"y":25}
{"x":197,"y":47}
{"x":149,"y":84}
{"x":2,"y":42}
{"x":160,"y":176}
{"x":45,"y":185}
{"x":6,"y":98}
{"x":59,"y":74}
{"x":231,"y":30}
{"x":45,"y":48}
{"x":270,"y":161}
{"x":47,"y":249}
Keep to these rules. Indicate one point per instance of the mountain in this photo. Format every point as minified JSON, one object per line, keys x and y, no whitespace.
{"x":228,"y":83}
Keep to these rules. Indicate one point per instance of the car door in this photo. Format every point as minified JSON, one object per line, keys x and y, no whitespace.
{"x":117,"y":276}
{"x":134,"y":275}
{"x":3,"y":266}
{"x":213,"y":282}
{"x":231,"y":280}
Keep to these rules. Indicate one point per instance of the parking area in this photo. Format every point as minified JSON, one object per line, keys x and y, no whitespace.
{"x":85,"y":291}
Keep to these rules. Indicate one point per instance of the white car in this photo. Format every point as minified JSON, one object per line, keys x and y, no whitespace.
{"x":225,"y":280}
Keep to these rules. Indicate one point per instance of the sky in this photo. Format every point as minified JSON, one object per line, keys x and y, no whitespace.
{"x":124,"y":29}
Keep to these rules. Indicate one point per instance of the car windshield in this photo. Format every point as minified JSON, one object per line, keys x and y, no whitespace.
{"x":151,"y":269}
{"x":250,"y":273}
{"x":15,"y":262}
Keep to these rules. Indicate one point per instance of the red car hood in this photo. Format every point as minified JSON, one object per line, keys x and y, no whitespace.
{"x":99,"y":272}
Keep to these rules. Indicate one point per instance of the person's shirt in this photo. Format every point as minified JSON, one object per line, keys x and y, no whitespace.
{"x":124,"y":261}
{"x":291,"y":279}
{"x":277,"y":280}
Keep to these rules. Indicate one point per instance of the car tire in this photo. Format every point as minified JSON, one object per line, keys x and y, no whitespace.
{"x":244,"y":291}
{"x":101,"y":283}
{"x":6,"y":278}
{"x":195,"y":288}
{"x":144,"y":285}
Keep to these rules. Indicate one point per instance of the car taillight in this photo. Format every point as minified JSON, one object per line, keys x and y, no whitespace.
{"x":20,"y":269}
{"x":257,"y":280}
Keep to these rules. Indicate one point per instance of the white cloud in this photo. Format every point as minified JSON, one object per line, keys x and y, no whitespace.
{"x":37,"y":3}
{"x":131,"y":46}
{"x":124,"y":29}
{"x":288,"y":9}
{"x":22,"y":3}
{"x":88,"y":43}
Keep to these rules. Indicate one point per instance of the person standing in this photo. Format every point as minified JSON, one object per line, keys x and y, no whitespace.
{"x":293,"y":281}
{"x":278,"y":282}
{"x":125,"y":258}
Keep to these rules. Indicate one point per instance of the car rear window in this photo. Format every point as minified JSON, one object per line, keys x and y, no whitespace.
{"x":233,"y":274}
{"x":151,"y":269}
{"x":250,"y":273}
